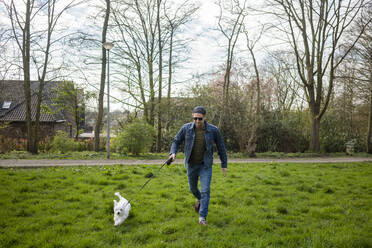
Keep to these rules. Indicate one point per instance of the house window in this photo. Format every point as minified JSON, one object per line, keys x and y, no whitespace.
{"x":6,"y":104}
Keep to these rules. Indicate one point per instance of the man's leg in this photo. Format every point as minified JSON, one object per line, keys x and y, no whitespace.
{"x":192,"y":176}
{"x":205,"y":182}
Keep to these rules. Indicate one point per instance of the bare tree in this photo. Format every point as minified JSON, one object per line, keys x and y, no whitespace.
{"x":98,"y":126}
{"x":31,"y":39}
{"x":160,"y":88}
{"x":251,"y":43}
{"x":281,"y":67}
{"x":52,"y":16}
{"x":314,"y":30}
{"x":359,"y":67}
{"x":176,"y":16}
{"x":364,"y":49}
{"x":135,"y":24}
{"x":147,"y":45}
{"x":230,"y":24}
{"x":20,"y":32}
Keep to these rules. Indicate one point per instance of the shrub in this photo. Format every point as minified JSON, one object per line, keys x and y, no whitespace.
{"x":8,"y":144}
{"x":279,"y":134}
{"x":332,"y":135}
{"x":62,"y":143}
{"x":46,"y":144}
{"x":89,"y":145}
{"x":113,"y":144}
{"x":81,"y":146}
{"x":137,"y":137}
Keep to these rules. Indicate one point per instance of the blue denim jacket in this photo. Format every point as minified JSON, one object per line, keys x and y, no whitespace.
{"x":212,"y":134}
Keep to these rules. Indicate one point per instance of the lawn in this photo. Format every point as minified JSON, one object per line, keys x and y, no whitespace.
{"x":256,"y":205}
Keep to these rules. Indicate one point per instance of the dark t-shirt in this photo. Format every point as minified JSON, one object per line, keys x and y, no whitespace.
{"x":199,"y":146}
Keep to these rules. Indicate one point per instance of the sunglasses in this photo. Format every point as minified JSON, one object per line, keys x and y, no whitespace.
{"x":198,"y":118}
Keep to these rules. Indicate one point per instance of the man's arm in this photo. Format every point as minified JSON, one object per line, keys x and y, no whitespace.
{"x":221,"y":149}
{"x":177,"y":141}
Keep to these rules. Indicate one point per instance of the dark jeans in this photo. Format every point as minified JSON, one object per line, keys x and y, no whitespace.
{"x":194,"y":172}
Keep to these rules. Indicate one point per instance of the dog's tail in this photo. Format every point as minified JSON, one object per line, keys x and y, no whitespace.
{"x":118,"y":195}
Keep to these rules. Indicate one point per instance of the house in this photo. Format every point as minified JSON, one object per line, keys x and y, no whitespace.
{"x":13,"y":111}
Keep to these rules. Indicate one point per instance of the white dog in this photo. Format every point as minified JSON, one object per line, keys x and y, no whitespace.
{"x":121,"y":209}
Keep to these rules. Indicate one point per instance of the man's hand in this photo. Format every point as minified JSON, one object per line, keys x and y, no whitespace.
{"x":224,"y":171}
{"x":173,"y":156}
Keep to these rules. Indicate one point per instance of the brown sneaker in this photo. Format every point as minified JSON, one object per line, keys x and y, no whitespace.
{"x":197,"y":206}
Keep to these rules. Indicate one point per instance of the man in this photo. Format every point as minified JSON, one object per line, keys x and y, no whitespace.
{"x":199,"y":137}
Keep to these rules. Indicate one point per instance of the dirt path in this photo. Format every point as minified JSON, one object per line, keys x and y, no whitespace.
{"x":29,"y":163}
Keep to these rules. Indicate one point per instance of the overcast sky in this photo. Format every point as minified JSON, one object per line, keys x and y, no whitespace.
{"x":207,"y":48}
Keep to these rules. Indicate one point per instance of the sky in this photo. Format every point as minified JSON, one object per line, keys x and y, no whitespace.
{"x":207,"y":49}
{"x":207,"y":52}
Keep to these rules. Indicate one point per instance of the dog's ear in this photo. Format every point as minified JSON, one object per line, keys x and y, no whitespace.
{"x":115,"y":203}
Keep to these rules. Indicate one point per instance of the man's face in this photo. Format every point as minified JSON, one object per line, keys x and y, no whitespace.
{"x":198,"y":119}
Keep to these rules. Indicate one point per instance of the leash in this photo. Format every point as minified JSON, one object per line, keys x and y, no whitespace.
{"x":168,"y":162}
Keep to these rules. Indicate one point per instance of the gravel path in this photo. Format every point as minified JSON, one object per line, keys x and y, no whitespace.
{"x":30,"y":163}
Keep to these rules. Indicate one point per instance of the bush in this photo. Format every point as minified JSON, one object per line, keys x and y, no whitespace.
{"x":137,"y":137}
{"x":81,"y":146}
{"x":62,"y":143}
{"x":278,"y":134}
{"x":332,"y":136}
{"x":45,"y":145}
{"x":8,"y":144}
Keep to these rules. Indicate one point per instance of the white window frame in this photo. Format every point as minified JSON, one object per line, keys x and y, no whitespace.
{"x":6,"y":104}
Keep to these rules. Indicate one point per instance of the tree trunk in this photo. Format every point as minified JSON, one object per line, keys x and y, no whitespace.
{"x":26,"y":75}
{"x":77,"y":117}
{"x":225,"y":91}
{"x":152,"y":91}
{"x":98,"y":126}
{"x":158,"y":143}
{"x":314,"y":139}
{"x":369,"y":132}
{"x":169,"y":78}
{"x":35,"y":147}
{"x":251,"y":147}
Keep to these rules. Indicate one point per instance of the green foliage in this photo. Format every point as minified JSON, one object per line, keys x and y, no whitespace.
{"x":277,"y":134}
{"x":278,"y":131}
{"x":137,"y":137}
{"x":62,"y":143}
{"x":238,"y":119}
{"x":332,"y":137}
{"x":334,"y":134}
{"x":45,"y":145}
{"x":256,"y":205}
{"x":71,"y":98}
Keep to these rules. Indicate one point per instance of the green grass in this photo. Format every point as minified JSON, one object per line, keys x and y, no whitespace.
{"x":257,"y":205}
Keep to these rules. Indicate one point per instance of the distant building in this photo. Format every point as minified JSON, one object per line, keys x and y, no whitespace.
{"x":13,"y":111}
